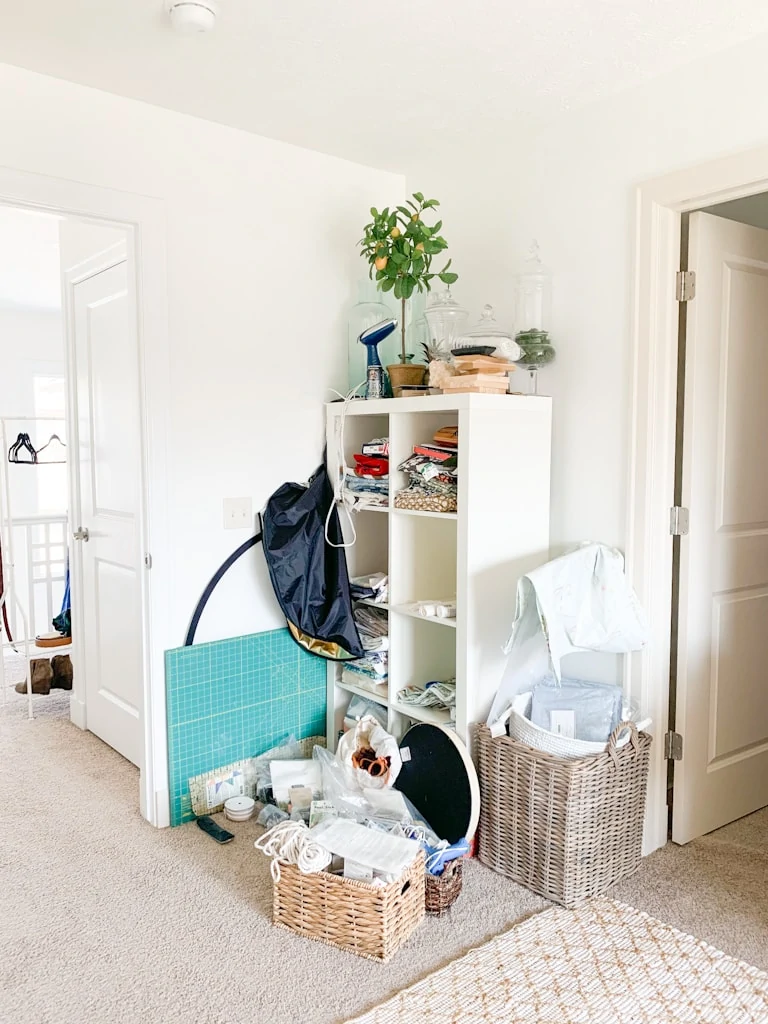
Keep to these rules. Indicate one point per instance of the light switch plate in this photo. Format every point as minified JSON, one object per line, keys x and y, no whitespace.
{"x":238,"y":513}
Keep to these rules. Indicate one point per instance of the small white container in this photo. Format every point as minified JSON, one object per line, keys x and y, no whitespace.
{"x":239,"y":808}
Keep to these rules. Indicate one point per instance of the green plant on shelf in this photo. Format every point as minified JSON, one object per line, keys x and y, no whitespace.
{"x":399,"y":248}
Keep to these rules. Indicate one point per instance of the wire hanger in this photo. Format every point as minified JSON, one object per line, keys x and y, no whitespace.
{"x":21,"y":445}
{"x":58,"y":451}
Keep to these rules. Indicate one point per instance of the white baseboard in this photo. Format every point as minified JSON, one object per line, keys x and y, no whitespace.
{"x":77,"y":713}
{"x":162,"y":809}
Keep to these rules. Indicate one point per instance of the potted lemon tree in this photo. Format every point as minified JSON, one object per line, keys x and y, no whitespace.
{"x":399,"y":247}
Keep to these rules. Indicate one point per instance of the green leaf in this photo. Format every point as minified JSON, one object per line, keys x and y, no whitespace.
{"x":415,"y":207}
{"x":448,"y":278}
{"x":399,"y":288}
{"x":398,"y":257}
{"x":391,"y":269}
{"x":437,"y":227}
{"x":388,"y":285}
{"x":409,"y":283}
{"x":450,"y":261}
{"x":406,"y":247}
{"x":430,"y":204}
{"x":374,"y":212}
{"x":418,"y":196}
{"x":405,"y":211}
{"x":380,"y":274}
{"x":417,"y":267}
{"x":392,"y":220}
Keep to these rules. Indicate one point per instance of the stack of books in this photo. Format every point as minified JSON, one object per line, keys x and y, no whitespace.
{"x":479,"y":375}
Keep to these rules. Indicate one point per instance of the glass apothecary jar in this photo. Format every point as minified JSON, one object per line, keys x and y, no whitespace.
{"x":533,"y":307}
{"x":489,"y":336}
{"x":446,"y":322}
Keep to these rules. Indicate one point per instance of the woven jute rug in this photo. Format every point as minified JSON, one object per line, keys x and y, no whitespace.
{"x":600,"y":964}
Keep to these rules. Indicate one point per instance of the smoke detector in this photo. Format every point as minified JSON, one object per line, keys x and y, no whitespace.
{"x":191,"y":16}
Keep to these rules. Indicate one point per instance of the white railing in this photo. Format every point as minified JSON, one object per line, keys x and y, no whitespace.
{"x":38,"y":570}
{"x":40,"y":556}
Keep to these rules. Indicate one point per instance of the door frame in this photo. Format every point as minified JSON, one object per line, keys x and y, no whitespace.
{"x":659,"y":205}
{"x":143,"y":219}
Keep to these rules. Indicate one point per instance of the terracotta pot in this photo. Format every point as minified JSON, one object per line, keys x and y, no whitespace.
{"x":405,"y":373}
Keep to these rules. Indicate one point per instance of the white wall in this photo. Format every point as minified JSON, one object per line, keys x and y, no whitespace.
{"x":571,"y":185}
{"x":261,"y":265}
{"x":31,"y":344}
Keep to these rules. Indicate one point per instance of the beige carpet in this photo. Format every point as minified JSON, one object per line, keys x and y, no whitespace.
{"x":602,"y":963}
{"x":105,"y":920}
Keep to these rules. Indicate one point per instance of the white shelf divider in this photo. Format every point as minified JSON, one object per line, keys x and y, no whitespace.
{"x":499,"y":533}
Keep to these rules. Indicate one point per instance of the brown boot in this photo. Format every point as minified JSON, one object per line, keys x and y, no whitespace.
{"x":42,"y":676}
{"x":62,"y":672}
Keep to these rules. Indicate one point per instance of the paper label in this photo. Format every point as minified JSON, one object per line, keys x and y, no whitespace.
{"x":320,"y":810}
{"x":405,"y":754}
{"x":563,"y":723}
{"x":357,"y":871}
{"x":218,"y":790}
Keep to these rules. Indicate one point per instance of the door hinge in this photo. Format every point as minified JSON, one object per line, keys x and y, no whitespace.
{"x":673,"y":746}
{"x":685,"y":285}
{"x":147,"y":561}
{"x":679,"y":519}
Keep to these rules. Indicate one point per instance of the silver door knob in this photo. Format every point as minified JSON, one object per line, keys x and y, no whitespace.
{"x":81,"y":533}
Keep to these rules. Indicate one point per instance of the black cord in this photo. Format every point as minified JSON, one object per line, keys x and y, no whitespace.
{"x":215,"y":579}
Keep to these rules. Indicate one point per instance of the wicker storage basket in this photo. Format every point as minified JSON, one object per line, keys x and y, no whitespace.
{"x":521,"y":728}
{"x":370,"y":921}
{"x":442,"y":891}
{"x":566,"y":829}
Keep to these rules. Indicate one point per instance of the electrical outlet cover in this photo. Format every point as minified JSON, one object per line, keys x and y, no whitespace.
{"x":238,"y":513}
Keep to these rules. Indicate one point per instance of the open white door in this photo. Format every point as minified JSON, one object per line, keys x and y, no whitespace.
{"x":722,"y":675}
{"x":104,"y":347}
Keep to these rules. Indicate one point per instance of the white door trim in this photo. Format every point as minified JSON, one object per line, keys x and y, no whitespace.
{"x":144,"y":219}
{"x":659,"y":205}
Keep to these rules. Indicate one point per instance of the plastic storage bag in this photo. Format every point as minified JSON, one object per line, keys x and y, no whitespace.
{"x":368,"y":735}
{"x":576,"y":708}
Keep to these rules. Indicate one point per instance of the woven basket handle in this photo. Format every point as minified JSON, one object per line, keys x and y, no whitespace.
{"x":616,"y":735}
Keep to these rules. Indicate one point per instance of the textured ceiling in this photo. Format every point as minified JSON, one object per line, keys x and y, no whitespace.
{"x":375,"y":82}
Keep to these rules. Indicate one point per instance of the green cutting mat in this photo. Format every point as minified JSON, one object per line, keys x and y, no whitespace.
{"x":237,"y":698}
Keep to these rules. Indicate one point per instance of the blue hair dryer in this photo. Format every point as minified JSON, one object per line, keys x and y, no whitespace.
{"x":374,"y":382}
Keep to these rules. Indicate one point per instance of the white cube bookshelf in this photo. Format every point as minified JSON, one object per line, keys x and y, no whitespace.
{"x":477,"y":554}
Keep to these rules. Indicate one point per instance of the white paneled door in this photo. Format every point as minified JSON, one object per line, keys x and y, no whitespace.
{"x":103,"y":317}
{"x":722,"y":677}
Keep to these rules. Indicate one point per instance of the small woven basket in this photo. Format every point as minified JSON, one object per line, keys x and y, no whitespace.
{"x":370,"y":921}
{"x":442,"y":891}
{"x":566,"y":829}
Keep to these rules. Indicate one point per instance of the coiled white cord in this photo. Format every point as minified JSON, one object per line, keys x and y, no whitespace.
{"x":290,"y":842}
{"x":338,"y":484}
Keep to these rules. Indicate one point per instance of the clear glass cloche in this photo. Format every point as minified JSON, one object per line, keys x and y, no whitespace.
{"x":489,"y":335}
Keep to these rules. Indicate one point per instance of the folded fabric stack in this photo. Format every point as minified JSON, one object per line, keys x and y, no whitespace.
{"x":370,"y":588}
{"x":433,"y":473}
{"x":372,"y":671}
{"x":438,"y":694}
{"x":367,"y":485}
